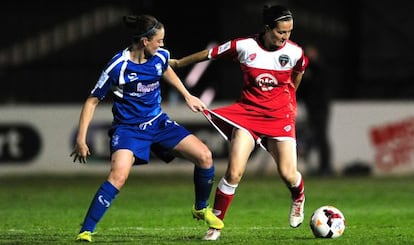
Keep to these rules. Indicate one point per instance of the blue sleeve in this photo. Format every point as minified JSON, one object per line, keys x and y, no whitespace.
{"x":105,"y":81}
{"x":165,"y":56}
{"x":102,"y":86}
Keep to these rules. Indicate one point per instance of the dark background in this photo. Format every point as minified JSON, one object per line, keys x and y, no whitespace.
{"x":54,"y":52}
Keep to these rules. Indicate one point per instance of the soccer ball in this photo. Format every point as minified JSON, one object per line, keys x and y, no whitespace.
{"x":327,"y":222}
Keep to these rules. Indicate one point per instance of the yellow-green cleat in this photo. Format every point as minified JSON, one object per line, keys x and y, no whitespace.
{"x":85,"y":236}
{"x":207,"y":215}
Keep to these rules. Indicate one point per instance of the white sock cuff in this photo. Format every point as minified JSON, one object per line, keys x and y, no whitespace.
{"x":299,"y":180}
{"x":226,"y":188}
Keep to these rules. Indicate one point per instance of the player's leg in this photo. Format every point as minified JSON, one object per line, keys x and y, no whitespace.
{"x":196,"y":151}
{"x":121,"y":164}
{"x":241,"y":145}
{"x":284,"y":154}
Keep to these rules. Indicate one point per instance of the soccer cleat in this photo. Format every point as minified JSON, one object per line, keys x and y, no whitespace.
{"x":207,"y":215}
{"x":85,"y":236}
{"x":296,"y":212}
{"x":212,"y":234}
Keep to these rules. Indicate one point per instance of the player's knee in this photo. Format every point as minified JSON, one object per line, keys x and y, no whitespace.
{"x":205,"y":158}
{"x":234,"y":177}
{"x":288,"y":175}
{"x":118,"y":180}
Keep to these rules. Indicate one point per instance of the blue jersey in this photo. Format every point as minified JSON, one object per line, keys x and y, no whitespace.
{"x":136,"y":87}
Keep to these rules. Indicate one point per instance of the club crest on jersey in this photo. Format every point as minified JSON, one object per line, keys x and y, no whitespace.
{"x":252,"y":56}
{"x":158,"y":67}
{"x":266,"y":81}
{"x":283,"y":60}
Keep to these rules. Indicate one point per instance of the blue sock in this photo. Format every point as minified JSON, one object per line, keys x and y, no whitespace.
{"x":203,"y":182}
{"x":100,"y":203}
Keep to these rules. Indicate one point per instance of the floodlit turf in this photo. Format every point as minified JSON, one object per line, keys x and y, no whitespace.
{"x":156,"y":210}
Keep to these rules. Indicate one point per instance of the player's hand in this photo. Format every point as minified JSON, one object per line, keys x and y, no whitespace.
{"x":80,"y":153}
{"x":195,"y":104}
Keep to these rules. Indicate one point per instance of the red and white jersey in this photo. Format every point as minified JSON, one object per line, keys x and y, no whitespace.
{"x":267,"y":85}
{"x":267,"y":106}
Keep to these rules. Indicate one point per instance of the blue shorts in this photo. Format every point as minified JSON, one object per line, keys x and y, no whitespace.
{"x":159,"y":136}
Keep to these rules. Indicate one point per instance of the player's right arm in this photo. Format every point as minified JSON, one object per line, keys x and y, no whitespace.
{"x":190,"y":59}
{"x":81,"y":150}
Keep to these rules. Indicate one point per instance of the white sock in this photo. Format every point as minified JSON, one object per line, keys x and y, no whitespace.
{"x":226,"y":188}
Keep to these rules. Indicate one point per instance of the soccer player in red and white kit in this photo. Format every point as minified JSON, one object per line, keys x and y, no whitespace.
{"x":264,"y":115}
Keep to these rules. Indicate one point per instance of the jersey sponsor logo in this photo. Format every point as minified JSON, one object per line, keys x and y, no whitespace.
{"x":266,"y":81}
{"x":147,"y":87}
{"x":283,"y":60}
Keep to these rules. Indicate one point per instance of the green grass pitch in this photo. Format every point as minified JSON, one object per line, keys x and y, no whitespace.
{"x":156,"y":210}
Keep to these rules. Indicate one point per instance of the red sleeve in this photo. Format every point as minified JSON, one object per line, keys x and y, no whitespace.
{"x":224,"y":50}
{"x":301,"y":64}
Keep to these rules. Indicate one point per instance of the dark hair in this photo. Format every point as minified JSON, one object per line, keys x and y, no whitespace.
{"x":275,"y":13}
{"x":142,"y":26}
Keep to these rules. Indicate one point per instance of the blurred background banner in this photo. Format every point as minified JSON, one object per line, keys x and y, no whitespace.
{"x":52,"y":53}
{"x":39,"y":139}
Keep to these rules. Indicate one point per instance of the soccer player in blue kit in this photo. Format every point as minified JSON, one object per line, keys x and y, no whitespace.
{"x":139,"y":124}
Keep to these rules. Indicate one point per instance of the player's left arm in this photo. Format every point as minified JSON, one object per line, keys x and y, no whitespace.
{"x":297,"y":78}
{"x":194,"y":103}
{"x":299,"y":70}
